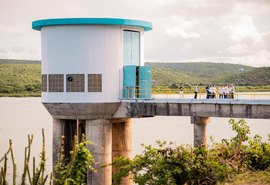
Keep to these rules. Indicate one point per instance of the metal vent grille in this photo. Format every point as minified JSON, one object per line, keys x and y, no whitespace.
{"x":94,"y":83}
{"x":56,"y":83}
{"x":75,"y":82}
{"x":44,"y":83}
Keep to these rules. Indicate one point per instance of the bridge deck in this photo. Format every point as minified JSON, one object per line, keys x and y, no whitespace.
{"x":258,"y":109}
{"x":219,"y":101}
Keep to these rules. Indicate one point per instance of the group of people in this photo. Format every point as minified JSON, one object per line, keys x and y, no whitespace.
{"x":222,"y":92}
{"x":212,"y":92}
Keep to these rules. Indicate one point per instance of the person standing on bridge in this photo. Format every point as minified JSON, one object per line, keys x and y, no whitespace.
{"x":220,"y":91}
{"x":232,"y":91}
{"x":207,"y":91}
{"x":181,"y":91}
{"x":226,"y":92}
{"x":214,"y":91}
{"x":195,"y":91}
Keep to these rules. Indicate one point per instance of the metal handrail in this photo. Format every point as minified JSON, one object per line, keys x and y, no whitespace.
{"x":174,"y":93}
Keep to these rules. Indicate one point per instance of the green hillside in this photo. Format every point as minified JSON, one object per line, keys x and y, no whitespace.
{"x":257,"y":76}
{"x":202,"y":69}
{"x":22,"y":77}
{"x":197,"y":72}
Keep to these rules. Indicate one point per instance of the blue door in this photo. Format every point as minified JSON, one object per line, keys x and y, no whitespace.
{"x":129,"y":81}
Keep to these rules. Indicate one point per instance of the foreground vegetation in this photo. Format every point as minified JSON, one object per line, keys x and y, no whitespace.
{"x":65,"y":173}
{"x":251,"y":178}
{"x":228,"y":161}
{"x":240,"y":160}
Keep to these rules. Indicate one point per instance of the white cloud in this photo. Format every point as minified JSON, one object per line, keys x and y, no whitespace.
{"x":182,"y":28}
{"x":243,"y":28}
{"x":237,"y":49}
{"x":186,"y":30}
{"x":176,"y":31}
{"x":19,"y":53}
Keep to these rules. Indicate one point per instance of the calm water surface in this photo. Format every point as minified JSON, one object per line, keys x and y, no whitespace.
{"x":22,"y":116}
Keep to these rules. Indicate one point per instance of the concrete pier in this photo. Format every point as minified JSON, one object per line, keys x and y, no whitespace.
{"x":99,"y":132}
{"x":57,"y":134}
{"x":122,"y":142}
{"x":68,"y":129}
{"x":200,"y":124}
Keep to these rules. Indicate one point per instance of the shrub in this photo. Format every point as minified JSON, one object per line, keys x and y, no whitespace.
{"x":169,"y":164}
{"x":257,"y":153}
{"x":173,"y":86}
{"x":72,"y":173}
{"x":75,"y":171}
{"x":36,"y":176}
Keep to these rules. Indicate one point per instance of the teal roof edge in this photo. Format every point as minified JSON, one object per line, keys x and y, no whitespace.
{"x":38,"y":24}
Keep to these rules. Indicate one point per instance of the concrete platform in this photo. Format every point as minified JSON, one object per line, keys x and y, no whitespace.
{"x":257,"y":109}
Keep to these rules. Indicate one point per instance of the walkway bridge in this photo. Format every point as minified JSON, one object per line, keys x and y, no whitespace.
{"x":258,"y":109}
{"x":109,"y":126}
{"x":200,"y":111}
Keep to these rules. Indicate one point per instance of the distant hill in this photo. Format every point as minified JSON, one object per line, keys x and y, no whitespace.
{"x":202,"y":69}
{"x":208,"y":73}
{"x":24,"y":76}
{"x":257,"y":76}
{"x":20,"y":76}
{"x":14,"y":61}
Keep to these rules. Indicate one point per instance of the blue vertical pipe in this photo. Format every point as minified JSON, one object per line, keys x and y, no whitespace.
{"x":145,"y":82}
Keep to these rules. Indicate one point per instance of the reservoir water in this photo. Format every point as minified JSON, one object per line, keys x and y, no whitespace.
{"x":22,"y":116}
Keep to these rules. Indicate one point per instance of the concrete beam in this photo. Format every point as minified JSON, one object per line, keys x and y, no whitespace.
{"x":82,"y":110}
{"x":235,"y":109}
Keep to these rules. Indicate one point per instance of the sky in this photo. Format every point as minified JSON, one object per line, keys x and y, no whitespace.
{"x":225,"y":31}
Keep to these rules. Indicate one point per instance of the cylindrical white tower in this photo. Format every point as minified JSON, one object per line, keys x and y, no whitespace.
{"x":88,"y":66}
{"x":83,"y":58}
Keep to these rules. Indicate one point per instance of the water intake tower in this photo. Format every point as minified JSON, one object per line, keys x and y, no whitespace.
{"x":88,"y":66}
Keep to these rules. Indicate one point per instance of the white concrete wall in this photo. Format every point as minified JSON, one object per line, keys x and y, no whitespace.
{"x":85,"y":49}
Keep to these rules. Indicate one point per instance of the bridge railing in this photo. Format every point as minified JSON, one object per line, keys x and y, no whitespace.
{"x":167,"y":93}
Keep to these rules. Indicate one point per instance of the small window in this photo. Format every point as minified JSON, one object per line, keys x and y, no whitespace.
{"x":44,"y":83}
{"x":56,"y":83}
{"x":131,"y":47}
{"x":94,"y":83}
{"x":75,"y":82}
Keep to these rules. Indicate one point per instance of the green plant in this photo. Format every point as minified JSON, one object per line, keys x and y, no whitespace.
{"x":73,"y":173}
{"x":37,"y":177}
{"x":169,"y":164}
{"x":257,"y":153}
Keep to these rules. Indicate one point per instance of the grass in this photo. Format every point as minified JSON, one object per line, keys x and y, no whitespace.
{"x":24,"y":94}
{"x":252,"y":178}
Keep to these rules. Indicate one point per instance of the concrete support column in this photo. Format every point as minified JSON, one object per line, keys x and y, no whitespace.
{"x":122,"y":142}
{"x":200,"y":124}
{"x":99,"y":132}
{"x":67,"y":128}
{"x":58,"y":126}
